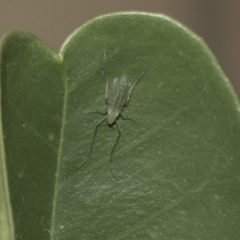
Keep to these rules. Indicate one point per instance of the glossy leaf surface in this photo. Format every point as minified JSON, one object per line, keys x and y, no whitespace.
{"x":177,"y":169}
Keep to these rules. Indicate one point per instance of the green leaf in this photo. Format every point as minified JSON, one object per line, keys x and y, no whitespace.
{"x":6,"y":224}
{"x":32,"y":85}
{"x":177,"y":169}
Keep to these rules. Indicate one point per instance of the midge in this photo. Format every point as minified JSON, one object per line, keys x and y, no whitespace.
{"x":116,"y":98}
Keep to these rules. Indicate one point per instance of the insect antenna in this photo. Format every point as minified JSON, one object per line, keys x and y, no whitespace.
{"x":91,"y":148}
{"x":105,"y":76}
{"x":130,"y":92}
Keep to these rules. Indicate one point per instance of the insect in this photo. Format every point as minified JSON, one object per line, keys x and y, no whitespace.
{"x":116,"y":98}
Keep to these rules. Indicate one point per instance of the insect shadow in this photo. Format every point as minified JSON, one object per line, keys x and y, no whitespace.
{"x":116,"y":98}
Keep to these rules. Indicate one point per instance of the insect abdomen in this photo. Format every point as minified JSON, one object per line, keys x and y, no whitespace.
{"x":118,"y":96}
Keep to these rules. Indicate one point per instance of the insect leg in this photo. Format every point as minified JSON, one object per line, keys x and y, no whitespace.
{"x":124,"y":117}
{"x":105,"y":76}
{"x":91,"y":148}
{"x":117,"y":140}
{"x":135,"y":84}
{"x":97,"y":111}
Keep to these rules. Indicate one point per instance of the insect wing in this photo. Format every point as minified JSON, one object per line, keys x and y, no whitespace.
{"x":118,"y":96}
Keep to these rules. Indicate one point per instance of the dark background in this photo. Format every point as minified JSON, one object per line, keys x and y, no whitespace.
{"x":216,"y":21}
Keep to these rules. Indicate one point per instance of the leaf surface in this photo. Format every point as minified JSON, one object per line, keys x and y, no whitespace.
{"x":177,"y":169}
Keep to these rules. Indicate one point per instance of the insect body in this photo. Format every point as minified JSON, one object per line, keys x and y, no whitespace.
{"x":119,"y":94}
{"x":117,"y":98}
